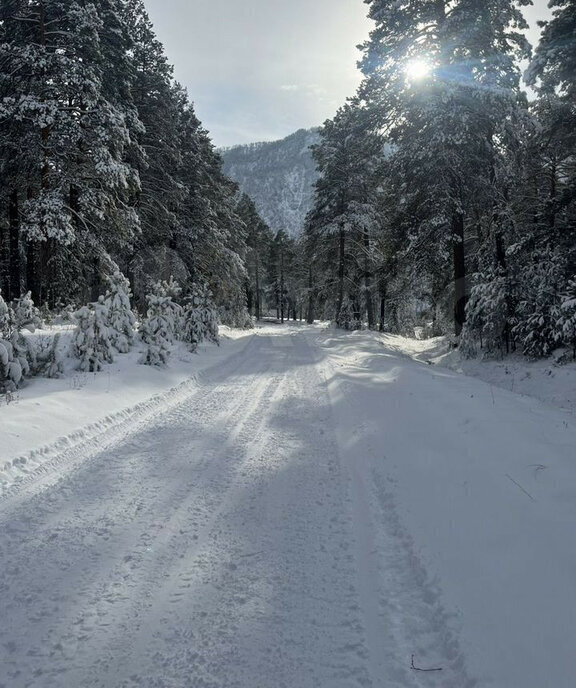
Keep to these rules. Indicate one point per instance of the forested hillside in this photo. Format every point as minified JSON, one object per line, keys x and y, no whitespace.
{"x":279,"y":176}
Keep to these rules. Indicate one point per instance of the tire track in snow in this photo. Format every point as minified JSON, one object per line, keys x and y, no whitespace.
{"x":230,"y":543}
{"x":402,"y":610}
{"x":264,"y":599}
{"x":50,"y":534}
{"x":44,"y":466}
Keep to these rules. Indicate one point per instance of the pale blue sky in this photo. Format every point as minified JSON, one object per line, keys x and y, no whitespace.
{"x":260,"y":69}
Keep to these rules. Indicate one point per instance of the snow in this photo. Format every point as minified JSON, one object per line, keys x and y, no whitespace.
{"x":480,"y":483}
{"x":314,"y":508}
{"x":47,"y":415}
{"x":551,"y":380}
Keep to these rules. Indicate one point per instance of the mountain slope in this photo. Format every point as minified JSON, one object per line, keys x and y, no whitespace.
{"x":279,"y":176}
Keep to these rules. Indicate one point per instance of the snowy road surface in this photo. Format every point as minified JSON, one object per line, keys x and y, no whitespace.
{"x":319,"y":512}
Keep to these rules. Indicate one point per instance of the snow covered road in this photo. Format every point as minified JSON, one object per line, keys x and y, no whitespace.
{"x":319,"y":512}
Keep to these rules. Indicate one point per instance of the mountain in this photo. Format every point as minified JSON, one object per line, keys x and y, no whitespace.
{"x":279,"y":176}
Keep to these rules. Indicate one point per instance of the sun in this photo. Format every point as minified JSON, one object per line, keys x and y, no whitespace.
{"x":418,"y":69}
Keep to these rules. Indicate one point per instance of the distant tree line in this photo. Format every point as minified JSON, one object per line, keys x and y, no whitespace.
{"x":447,"y":199}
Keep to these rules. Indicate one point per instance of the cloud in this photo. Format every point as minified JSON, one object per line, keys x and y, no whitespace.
{"x":262,"y":69}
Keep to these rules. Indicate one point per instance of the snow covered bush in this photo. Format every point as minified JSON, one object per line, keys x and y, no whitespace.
{"x":161,"y":324}
{"x":18,"y":354}
{"x":6,"y":319}
{"x":169,"y":291}
{"x":10,"y":368}
{"x":200,"y":318}
{"x":6,"y":353}
{"x":91,"y":343}
{"x":49,"y":357}
{"x":348,"y":318}
{"x":155,"y":332}
{"x":64,"y":314}
{"x":121,"y":319}
{"x":235,"y":313}
{"x":26,"y":315}
{"x":539,"y":310}
{"x":567,"y":320}
{"x":487,"y":325}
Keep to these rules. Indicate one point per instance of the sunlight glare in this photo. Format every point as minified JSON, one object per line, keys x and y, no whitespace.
{"x":418,"y":69}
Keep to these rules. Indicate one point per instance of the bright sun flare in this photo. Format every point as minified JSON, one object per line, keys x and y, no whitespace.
{"x":418,"y":69}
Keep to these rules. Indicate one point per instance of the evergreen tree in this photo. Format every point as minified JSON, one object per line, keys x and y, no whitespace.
{"x":158,"y":327}
{"x":170,"y":291}
{"x":567,"y":320}
{"x":343,"y":220}
{"x":26,"y":315}
{"x":91,"y":343}
{"x":10,"y":368}
{"x":158,"y":102}
{"x":447,"y":124}
{"x":258,"y":245}
{"x":199,"y":318}
{"x":539,"y":310}
{"x":121,"y":319}
{"x":72,"y":187}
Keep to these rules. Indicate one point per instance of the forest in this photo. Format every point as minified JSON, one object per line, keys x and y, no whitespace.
{"x":445,"y":202}
{"x":110,"y":189}
{"x":447,"y":197}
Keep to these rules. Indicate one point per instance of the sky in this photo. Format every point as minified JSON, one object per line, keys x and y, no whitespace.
{"x":258,"y":70}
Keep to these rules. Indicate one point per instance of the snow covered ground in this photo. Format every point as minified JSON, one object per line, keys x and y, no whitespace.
{"x":548,"y":379}
{"x":49,"y":415}
{"x":315,"y":510}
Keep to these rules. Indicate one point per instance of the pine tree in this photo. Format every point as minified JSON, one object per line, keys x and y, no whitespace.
{"x":539,"y":310}
{"x":75,"y":130}
{"x":199,"y":318}
{"x":158,"y":327}
{"x":26,"y":315}
{"x":158,"y":101}
{"x":121,"y":319}
{"x":170,"y":291}
{"x":447,"y":127}
{"x":487,"y":321}
{"x":567,"y":321}
{"x":13,"y":366}
{"x":213,"y":235}
{"x":91,"y":343}
{"x":258,"y":242}
{"x":554,"y":64}
{"x":343,"y":219}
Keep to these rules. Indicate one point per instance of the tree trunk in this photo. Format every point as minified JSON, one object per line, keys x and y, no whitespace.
{"x":47,"y":253}
{"x":382,"y":292}
{"x":95,"y":281}
{"x":257,"y":305}
{"x":459,"y":272}
{"x":249,"y":300}
{"x":44,"y":249}
{"x":310,"y":314}
{"x":33,"y":271}
{"x":341,"y":272}
{"x":14,"y":269}
{"x":368,"y":282}
{"x":282,"y":285}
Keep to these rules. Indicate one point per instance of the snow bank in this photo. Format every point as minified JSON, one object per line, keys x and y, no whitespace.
{"x":546,"y":380}
{"x":49,"y":416}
